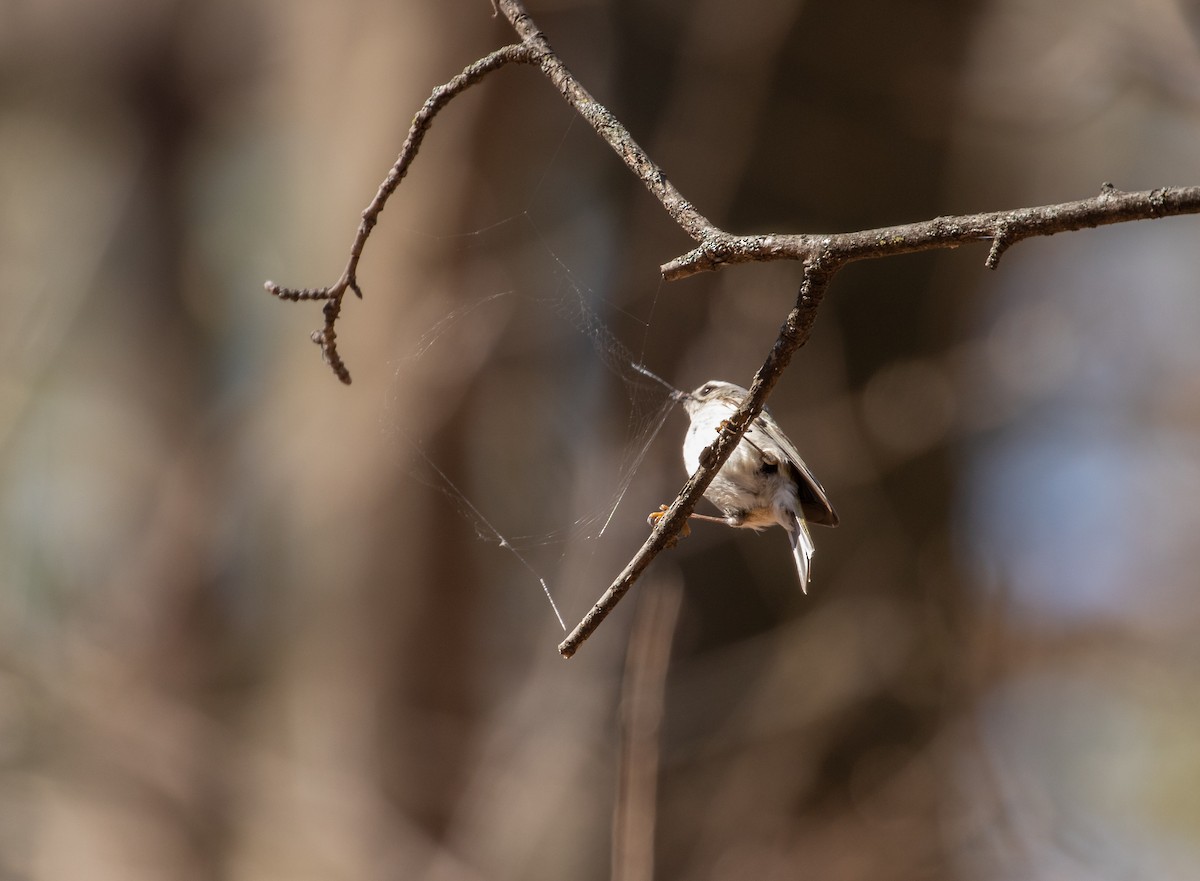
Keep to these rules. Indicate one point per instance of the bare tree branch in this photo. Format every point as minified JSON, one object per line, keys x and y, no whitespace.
{"x":326,"y":337}
{"x":822,"y":255}
{"x":606,"y":125}
{"x":792,"y":335}
{"x":1002,"y":228}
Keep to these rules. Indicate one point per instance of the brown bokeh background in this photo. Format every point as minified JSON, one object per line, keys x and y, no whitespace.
{"x":243,"y":635}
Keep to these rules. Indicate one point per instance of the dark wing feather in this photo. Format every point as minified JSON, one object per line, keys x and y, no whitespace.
{"x":814,"y":504}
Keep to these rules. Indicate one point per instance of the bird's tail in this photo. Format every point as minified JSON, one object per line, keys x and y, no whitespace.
{"x":802,"y":549}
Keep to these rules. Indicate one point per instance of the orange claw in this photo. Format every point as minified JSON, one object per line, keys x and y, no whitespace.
{"x":655,"y":516}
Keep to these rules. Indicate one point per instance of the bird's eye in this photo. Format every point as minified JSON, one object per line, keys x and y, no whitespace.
{"x":708,"y":389}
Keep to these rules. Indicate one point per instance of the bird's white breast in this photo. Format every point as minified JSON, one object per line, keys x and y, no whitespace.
{"x":703,"y":431}
{"x":740,"y":490}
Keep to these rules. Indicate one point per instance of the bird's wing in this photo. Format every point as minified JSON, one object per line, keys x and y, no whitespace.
{"x":813,"y":502}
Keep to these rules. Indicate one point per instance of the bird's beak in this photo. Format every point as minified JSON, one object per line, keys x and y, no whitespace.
{"x":680,"y":395}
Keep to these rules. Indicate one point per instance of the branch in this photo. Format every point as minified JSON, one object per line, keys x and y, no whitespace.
{"x":1002,"y":228}
{"x":326,"y":338}
{"x":821,"y":255}
{"x":792,"y":335}
{"x":606,"y":125}
{"x":534,"y":48}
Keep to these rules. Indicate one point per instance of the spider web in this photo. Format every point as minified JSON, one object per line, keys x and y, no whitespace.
{"x":552,"y":295}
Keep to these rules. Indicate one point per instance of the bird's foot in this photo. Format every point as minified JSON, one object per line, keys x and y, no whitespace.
{"x":655,"y":516}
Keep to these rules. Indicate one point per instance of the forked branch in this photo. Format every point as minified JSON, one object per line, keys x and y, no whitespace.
{"x":821,"y":255}
{"x":326,"y":337}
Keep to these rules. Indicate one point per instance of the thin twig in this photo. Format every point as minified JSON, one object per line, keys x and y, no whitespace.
{"x":792,"y":335}
{"x":326,"y":338}
{"x":821,"y":255}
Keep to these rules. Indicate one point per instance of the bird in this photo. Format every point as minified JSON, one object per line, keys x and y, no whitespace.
{"x":764,"y":482}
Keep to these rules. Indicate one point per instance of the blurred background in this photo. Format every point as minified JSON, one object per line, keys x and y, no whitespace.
{"x":255,"y":624}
